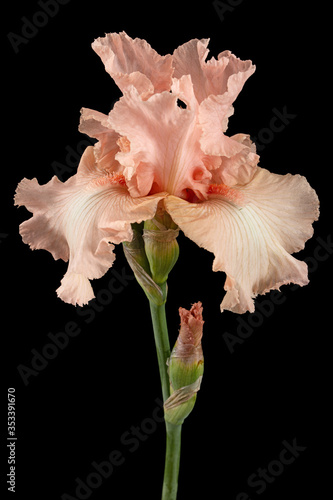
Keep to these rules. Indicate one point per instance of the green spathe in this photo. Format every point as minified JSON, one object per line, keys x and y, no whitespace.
{"x":152,"y":253}
{"x":136,"y":257}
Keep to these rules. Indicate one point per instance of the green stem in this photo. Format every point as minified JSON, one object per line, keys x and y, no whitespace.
{"x":172,"y":459}
{"x":173,"y":432}
{"x":162,"y":345}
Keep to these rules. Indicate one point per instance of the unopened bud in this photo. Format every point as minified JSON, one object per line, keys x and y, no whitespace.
{"x":186,"y":365}
{"x":160,"y":238}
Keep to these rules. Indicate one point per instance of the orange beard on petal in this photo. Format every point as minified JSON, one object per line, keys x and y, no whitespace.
{"x":230,"y":194}
{"x":110,"y":179}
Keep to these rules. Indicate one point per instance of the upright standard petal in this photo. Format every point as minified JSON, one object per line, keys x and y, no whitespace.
{"x":134,"y":62}
{"x":164,"y":151}
{"x":213,"y":118}
{"x":252,"y":230}
{"x":95,"y":124}
{"x":79,"y":221}
{"x":226,"y":75}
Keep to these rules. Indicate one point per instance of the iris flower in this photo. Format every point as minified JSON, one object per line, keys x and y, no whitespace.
{"x":164,"y":146}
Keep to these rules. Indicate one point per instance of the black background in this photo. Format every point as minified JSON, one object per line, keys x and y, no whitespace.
{"x":273,"y":387}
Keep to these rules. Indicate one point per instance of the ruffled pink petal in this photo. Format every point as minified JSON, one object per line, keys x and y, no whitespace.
{"x":213,"y":118}
{"x":75,"y":289}
{"x":252,"y":230}
{"x":183,"y":89}
{"x":240,"y":168}
{"x":95,"y":124}
{"x":234,"y":76}
{"x":134,"y":62}
{"x":79,"y":220}
{"x":189,"y":59}
{"x":216,"y":84}
{"x":164,"y":152}
{"x":226,"y":75}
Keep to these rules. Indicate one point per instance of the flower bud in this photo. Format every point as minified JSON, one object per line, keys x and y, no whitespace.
{"x":161,"y":247}
{"x":186,"y":365}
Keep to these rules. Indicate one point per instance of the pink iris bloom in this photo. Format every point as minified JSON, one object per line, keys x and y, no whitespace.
{"x":163,"y":145}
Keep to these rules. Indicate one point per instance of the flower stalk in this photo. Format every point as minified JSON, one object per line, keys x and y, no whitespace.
{"x":161,"y":249}
{"x":172,"y":461}
{"x":161,"y":337}
{"x":173,"y":432}
{"x":152,"y":253}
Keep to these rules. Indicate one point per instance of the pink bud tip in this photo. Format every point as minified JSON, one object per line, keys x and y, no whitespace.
{"x":191,"y":325}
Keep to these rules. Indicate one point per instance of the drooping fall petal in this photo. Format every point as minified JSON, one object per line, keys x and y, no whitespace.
{"x":252,"y":230}
{"x":79,"y":221}
{"x":134,"y":62}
